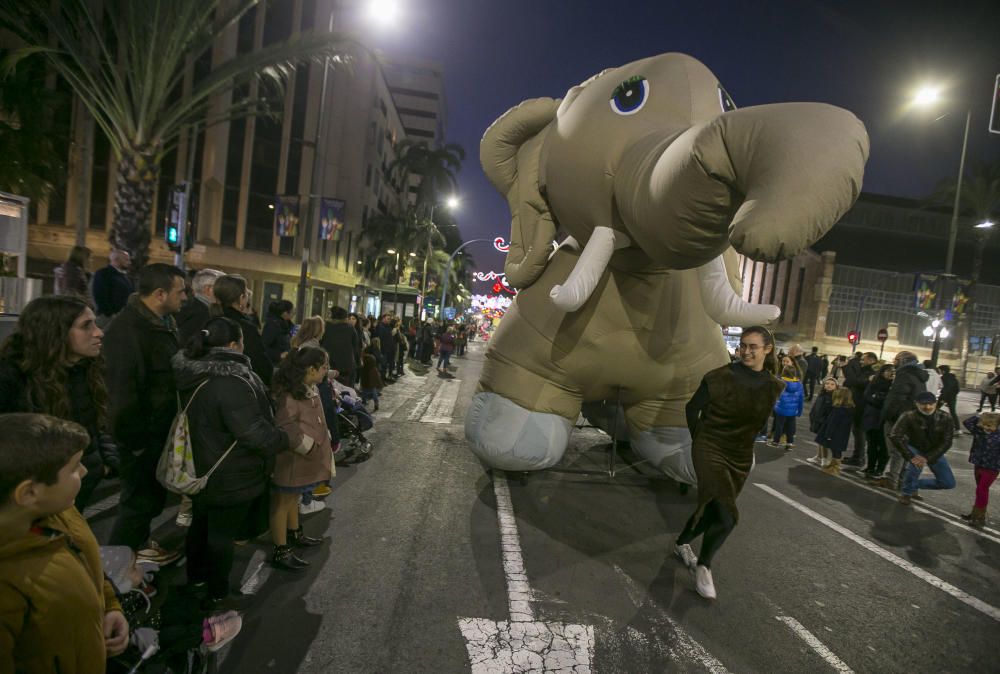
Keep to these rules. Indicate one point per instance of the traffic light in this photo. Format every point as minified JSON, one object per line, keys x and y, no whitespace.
{"x":172,"y":237}
{"x":853,"y":337}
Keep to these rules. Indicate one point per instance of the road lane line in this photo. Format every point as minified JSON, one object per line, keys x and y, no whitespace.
{"x":924,"y":507}
{"x":518,"y":591}
{"x":443,"y":404}
{"x":944,"y":586}
{"x":686,"y":644}
{"x":521,"y":643}
{"x":815,"y":644}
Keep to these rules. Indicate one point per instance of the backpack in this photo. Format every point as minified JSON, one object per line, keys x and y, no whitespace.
{"x":175,"y":470}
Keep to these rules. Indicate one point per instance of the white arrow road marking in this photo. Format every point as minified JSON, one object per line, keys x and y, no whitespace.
{"x":685,"y":646}
{"x":522,"y":644}
{"x":442,"y":406}
{"x":815,"y":644}
{"x":944,"y":586}
{"x":421,"y":407}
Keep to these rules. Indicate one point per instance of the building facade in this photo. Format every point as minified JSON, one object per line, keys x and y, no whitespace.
{"x":238,"y":168}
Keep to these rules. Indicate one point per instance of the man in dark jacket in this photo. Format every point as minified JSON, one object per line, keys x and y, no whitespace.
{"x":342,"y":345}
{"x":911,"y":379}
{"x":277,"y":333}
{"x":921,"y":437}
{"x":857,"y":375}
{"x":814,"y":370}
{"x":949,"y":394}
{"x":197,"y":310}
{"x":387,"y":343}
{"x":111,"y":286}
{"x":138,"y":346}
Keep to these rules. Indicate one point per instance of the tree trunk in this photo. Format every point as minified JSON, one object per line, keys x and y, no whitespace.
{"x":138,"y":173}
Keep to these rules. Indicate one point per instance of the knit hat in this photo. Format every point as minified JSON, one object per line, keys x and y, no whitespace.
{"x":925,"y":397}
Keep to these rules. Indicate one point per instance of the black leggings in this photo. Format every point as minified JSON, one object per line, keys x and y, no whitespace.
{"x":716,"y":524}
{"x":878,"y":453}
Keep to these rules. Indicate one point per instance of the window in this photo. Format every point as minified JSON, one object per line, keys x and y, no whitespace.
{"x":99,"y":181}
{"x":784,"y":293}
{"x":419,"y":133}
{"x":234,"y":170}
{"x":414,"y":92}
{"x":413,"y":112}
{"x":381,"y":106}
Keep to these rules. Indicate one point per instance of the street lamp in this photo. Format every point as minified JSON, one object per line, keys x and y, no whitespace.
{"x":450,"y":203}
{"x":938,"y":331}
{"x":395,"y":297}
{"x":927,"y":96}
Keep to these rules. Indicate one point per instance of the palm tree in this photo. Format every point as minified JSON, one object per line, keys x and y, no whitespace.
{"x":29,"y":137}
{"x":131,"y":66}
{"x":435,"y":166}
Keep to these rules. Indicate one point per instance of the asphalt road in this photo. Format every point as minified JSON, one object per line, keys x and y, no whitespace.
{"x":575,"y":573}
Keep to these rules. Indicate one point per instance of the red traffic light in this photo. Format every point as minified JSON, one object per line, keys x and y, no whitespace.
{"x":853,"y":337}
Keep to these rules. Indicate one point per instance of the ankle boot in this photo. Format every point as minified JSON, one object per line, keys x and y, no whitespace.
{"x":832,"y":468}
{"x":298,"y":539}
{"x":976,"y":518}
{"x":283,"y":557}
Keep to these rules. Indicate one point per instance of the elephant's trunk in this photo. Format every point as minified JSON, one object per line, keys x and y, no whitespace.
{"x":769,"y":180}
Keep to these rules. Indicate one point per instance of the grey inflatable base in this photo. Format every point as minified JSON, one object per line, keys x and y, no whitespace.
{"x":505,"y":435}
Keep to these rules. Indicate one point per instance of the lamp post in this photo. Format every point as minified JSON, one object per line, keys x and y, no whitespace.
{"x":938,"y":331}
{"x":451,"y":203}
{"x":925,"y":97}
{"x":395,"y":295}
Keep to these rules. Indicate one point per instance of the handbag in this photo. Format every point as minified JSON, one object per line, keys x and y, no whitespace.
{"x":175,"y":469}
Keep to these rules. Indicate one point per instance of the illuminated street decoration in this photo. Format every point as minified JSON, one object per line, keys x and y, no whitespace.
{"x":492,"y":303}
{"x":500,"y":244}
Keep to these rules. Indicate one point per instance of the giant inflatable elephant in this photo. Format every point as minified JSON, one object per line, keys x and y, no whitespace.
{"x":652,"y":170}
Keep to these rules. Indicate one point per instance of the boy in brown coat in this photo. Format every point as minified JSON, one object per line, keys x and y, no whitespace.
{"x":57,"y":611}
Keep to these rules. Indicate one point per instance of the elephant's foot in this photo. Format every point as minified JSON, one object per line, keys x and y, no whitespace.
{"x":668,"y":448}
{"x":507,"y":436}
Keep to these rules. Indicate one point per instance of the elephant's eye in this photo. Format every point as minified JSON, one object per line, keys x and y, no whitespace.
{"x":725,"y":100}
{"x":629,"y":96}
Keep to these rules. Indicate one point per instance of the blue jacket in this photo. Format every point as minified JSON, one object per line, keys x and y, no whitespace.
{"x":791,"y":400}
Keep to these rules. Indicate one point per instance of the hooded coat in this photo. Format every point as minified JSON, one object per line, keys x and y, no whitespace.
{"x":875,"y":395}
{"x":985,"y":452}
{"x":253,"y":344}
{"x":311,"y":458}
{"x":53,"y":598}
{"x":911,"y":379}
{"x":790,"y":401}
{"x":232,"y":406}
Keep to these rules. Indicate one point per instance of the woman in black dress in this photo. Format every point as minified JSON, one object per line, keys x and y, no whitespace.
{"x":724,"y":416}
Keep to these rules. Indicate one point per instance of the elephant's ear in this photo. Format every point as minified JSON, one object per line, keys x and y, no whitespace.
{"x":509,"y":153}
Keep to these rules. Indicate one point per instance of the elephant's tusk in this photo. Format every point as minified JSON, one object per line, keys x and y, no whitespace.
{"x":589,"y":268}
{"x":569,"y":242}
{"x":723,"y":305}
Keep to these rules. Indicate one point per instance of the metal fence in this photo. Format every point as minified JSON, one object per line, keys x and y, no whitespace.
{"x":889,"y":297}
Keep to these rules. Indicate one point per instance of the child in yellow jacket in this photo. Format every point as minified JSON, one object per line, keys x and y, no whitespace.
{"x":57,"y":610}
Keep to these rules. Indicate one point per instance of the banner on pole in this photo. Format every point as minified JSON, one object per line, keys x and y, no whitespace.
{"x":960,"y":300}
{"x":331,"y":218}
{"x":286,"y":216}
{"x":925,"y":289}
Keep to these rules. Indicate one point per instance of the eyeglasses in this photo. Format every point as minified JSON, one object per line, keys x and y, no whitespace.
{"x":751,"y":347}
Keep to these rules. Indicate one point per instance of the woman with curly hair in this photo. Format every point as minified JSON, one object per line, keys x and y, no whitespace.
{"x":52,"y":365}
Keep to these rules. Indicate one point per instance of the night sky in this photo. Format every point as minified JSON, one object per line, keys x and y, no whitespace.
{"x":864,"y":56}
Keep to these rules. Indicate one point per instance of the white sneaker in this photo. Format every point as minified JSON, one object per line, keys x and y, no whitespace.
{"x":703,"y":582}
{"x":686,"y":555}
{"x":814,"y":459}
{"x":183,"y":519}
{"x":313,"y":507}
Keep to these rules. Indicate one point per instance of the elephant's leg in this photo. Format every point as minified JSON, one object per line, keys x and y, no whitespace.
{"x":659,"y":434}
{"x":505,"y":432}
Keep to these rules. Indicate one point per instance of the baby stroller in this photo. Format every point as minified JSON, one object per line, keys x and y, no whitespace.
{"x":353,"y":420}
